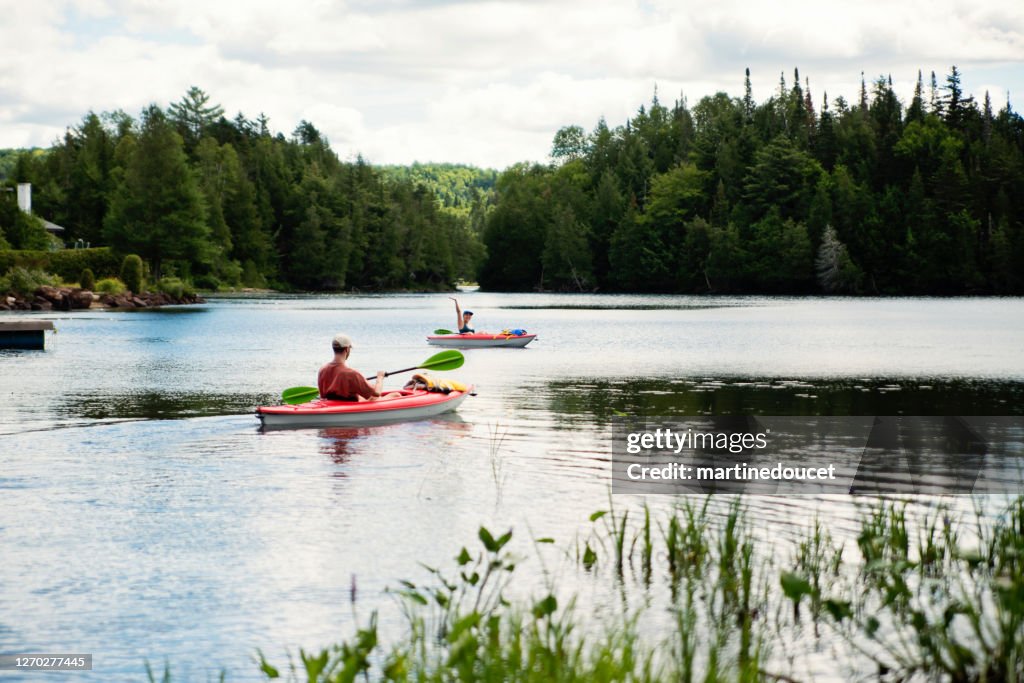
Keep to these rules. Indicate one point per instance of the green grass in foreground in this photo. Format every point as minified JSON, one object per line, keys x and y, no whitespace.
{"x":928,"y":599}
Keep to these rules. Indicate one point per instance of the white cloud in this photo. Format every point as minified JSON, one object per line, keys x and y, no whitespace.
{"x":487,"y":82}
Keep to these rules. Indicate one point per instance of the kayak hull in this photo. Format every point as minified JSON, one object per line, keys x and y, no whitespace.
{"x":477,"y":340}
{"x":412,"y":405}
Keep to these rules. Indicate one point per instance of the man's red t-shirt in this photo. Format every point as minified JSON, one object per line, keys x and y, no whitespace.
{"x":339,"y":382}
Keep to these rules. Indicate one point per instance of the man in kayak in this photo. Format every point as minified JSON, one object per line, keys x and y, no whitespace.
{"x":463,"y":318}
{"x":338,"y":382}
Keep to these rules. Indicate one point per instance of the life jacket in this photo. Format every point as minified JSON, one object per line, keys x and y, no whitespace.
{"x":513,"y":333}
{"x":422,"y":380}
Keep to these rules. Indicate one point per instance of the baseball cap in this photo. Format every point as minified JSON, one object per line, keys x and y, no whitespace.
{"x":341,"y":341}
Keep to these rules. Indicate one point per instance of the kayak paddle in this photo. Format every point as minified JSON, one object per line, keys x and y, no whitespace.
{"x":443,"y":332}
{"x":446,"y":360}
{"x":297,"y":395}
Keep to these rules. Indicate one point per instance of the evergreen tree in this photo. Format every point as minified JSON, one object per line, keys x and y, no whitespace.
{"x":782,"y":178}
{"x":608,"y":209}
{"x":748,"y":98}
{"x":193,"y":114}
{"x":727,"y":261}
{"x":825,"y":147}
{"x":566,"y":258}
{"x":516,"y":231}
{"x":916,"y":110}
{"x":157,"y":209}
{"x":955,"y":105}
{"x":934,"y":104}
{"x":640,"y":261}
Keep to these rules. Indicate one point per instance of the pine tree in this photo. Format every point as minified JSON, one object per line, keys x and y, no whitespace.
{"x":812,"y":119}
{"x":748,"y":97}
{"x":955,"y":105}
{"x":193,"y":114}
{"x":566,"y":257}
{"x":916,"y":110}
{"x":157,"y":209}
{"x":987,"y":119}
{"x":825,"y":147}
{"x":799,"y":120}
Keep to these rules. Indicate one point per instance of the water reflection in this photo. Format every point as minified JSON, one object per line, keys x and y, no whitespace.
{"x":584,"y":400}
{"x":159,"y":405}
{"x":340,"y":444}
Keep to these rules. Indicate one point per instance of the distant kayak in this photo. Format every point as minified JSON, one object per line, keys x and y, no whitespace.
{"x":481,"y":339}
{"x":411,"y":405}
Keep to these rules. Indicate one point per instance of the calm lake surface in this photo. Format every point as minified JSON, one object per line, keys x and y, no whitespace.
{"x":144,"y":516}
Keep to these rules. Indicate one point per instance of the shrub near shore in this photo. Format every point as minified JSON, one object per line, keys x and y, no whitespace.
{"x":928,"y":597}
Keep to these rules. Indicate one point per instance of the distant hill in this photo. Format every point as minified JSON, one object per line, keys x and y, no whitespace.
{"x":456,"y":186}
{"x":9,"y":157}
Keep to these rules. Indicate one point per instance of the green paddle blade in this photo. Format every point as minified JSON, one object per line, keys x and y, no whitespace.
{"x":446,"y":360}
{"x":443,"y":332}
{"x":297,"y":395}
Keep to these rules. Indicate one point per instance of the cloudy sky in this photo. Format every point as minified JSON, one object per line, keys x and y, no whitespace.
{"x":486,"y":83}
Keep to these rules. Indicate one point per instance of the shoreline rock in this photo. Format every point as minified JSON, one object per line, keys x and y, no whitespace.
{"x":48,"y":298}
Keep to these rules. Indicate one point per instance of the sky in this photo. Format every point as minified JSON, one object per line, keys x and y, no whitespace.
{"x":483,"y":83}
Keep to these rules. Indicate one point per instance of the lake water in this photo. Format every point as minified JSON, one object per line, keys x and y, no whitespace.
{"x":144,"y":516}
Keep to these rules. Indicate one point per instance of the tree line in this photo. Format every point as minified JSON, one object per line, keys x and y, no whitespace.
{"x":729,"y":195}
{"x":224,"y":202}
{"x":791,"y":195}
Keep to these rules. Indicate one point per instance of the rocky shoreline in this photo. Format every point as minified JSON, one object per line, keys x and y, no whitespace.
{"x":48,"y":298}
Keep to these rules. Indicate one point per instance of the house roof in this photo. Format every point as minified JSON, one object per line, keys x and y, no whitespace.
{"x":52,"y":227}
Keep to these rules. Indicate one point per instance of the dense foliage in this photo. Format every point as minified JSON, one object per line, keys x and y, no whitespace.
{"x":465,"y":192}
{"x":225,"y":202}
{"x":456,"y":186}
{"x":733,"y":196}
{"x":8,"y":158}
{"x":68,"y":264}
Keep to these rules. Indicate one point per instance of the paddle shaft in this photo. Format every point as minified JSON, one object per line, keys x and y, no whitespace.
{"x":394,"y":372}
{"x":446,"y":360}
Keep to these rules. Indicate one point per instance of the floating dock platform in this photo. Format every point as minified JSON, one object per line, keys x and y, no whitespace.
{"x":24,"y":334}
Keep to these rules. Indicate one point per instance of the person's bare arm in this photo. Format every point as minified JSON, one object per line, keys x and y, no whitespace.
{"x":378,"y":387}
{"x":458,"y":314}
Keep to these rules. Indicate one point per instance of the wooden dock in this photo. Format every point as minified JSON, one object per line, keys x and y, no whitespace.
{"x":24,"y":334}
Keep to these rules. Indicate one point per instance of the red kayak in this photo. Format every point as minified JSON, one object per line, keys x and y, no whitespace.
{"x":413,"y":404}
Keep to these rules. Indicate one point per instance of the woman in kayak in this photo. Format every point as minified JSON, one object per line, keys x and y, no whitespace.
{"x":463,"y":318}
{"x":338,"y":382}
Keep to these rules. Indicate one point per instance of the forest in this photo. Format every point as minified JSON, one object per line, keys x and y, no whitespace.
{"x":793,"y":195}
{"x":227,"y":203}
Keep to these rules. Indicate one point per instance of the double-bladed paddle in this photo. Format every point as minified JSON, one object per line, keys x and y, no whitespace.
{"x":445,"y":360}
{"x":443,"y":331}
